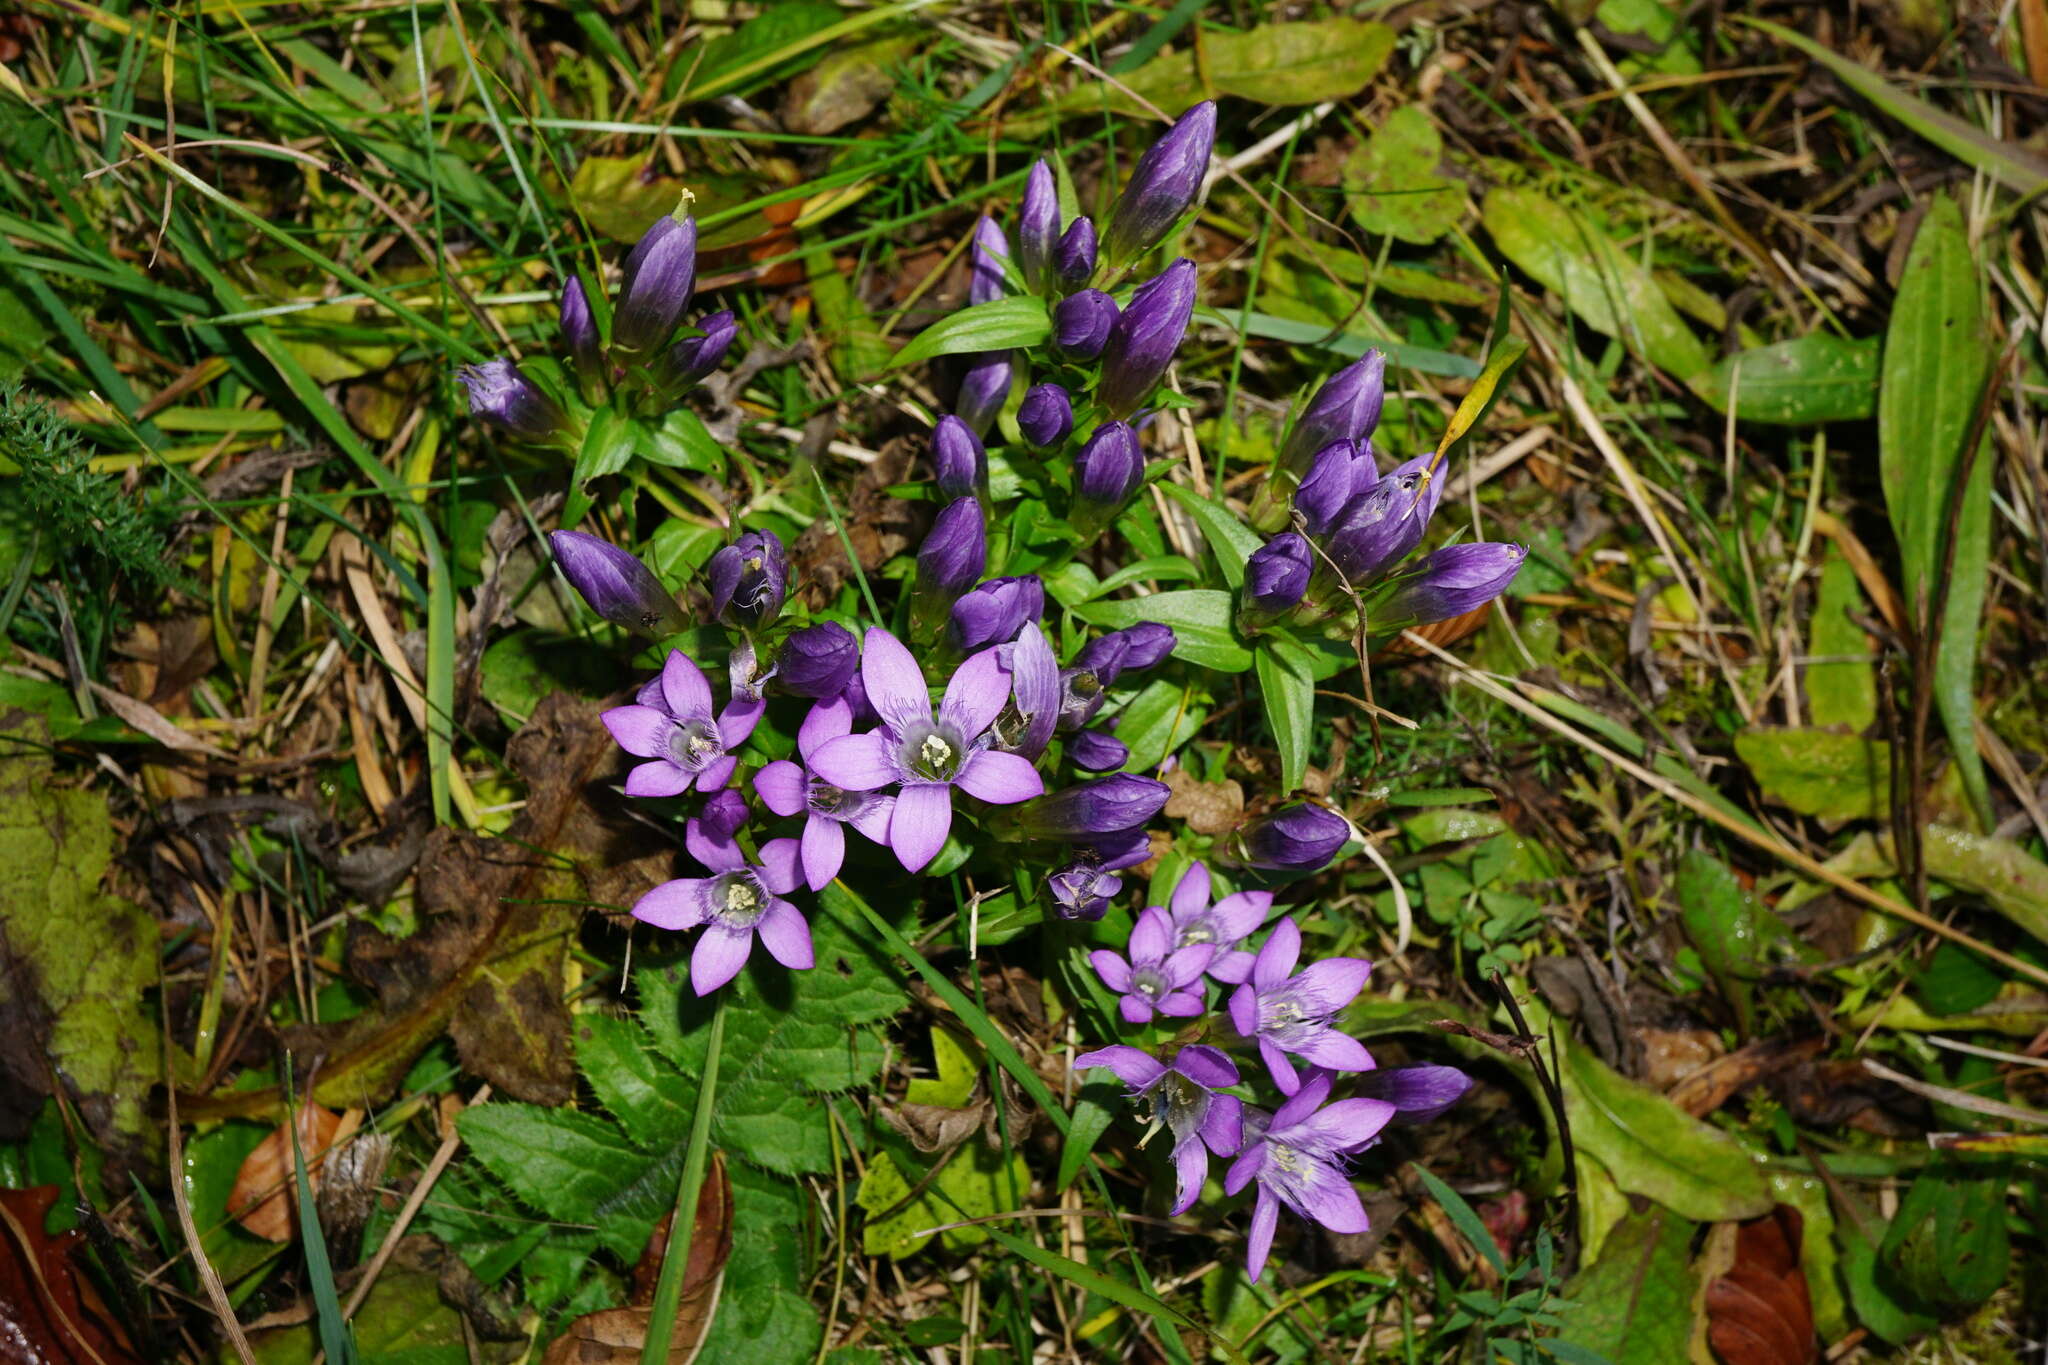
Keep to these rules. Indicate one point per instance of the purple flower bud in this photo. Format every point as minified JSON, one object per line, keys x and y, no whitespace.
{"x":984,"y":387}
{"x":1081,"y":891}
{"x":1346,"y":408}
{"x":1303,"y":836}
{"x":660,"y":273}
{"x":1146,"y":334}
{"x":1418,"y":1093}
{"x":617,"y":585}
{"x":1097,"y":751}
{"x":1339,"y":473}
{"x":1026,"y":723}
{"x":503,"y":396}
{"x":994,"y":612}
{"x":1081,"y":696}
{"x":955,"y":553}
{"x":722,"y":816}
{"x":749,"y":579}
{"x":1377,"y":528}
{"x":1038,"y":227}
{"x":1453,"y":581}
{"x":1164,"y":185}
{"x":1142,"y":646}
{"x":985,"y":262}
{"x":818,"y":661}
{"x":1108,"y":469}
{"x":579,"y":334}
{"x":1046,"y":416}
{"x":959,"y":464}
{"x":694,"y":357}
{"x":1277,"y":574}
{"x":1081,"y":323}
{"x":1074,"y":261}
{"x":1089,"y":810}
{"x":1429,"y":488}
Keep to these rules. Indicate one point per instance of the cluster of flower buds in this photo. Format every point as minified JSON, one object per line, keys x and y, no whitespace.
{"x":1286,"y":1015}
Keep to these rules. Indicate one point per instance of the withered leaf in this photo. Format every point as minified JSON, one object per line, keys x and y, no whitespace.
{"x":1760,"y":1312}
{"x":263,"y":1199}
{"x":49,"y":1312}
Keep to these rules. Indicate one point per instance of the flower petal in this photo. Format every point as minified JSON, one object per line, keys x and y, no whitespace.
{"x":1223,"y":1126}
{"x":738,"y":720}
{"x":1334,"y":982}
{"x":781,"y":787}
{"x":1249,"y":1163}
{"x":1334,"y":1050}
{"x":918,"y":829}
{"x":1133,"y":1066}
{"x":1307,"y":1097}
{"x":658,"y":778}
{"x":1418,"y":1093}
{"x":673,"y":905}
{"x":779,"y":866}
{"x":824,"y":850}
{"x":1114,"y":971}
{"x":975,"y":694}
{"x":1240,"y":914}
{"x":1259,"y":1243}
{"x":1244,"y":1011}
{"x":1206,"y":1066}
{"x":1138,"y":1010}
{"x":873,"y":816}
{"x":1279,"y":1067}
{"x":718,"y":854}
{"x":1277,"y":956}
{"x":1329,"y":1198}
{"x":640,"y":730}
{"x":786,"y":935}
{"x":717,"y":774}
{"x":1346,"y":1125}
{"x":1152,"y":936}
{"x":826,"y":720}
{"x":1187,"y":965}
{"x":684,"y":688}
{"x":895,"y":687}
{"x":855,"y":763}
{"x":1177,"y":1004}
{"x":1000,"y":779}
{"x":1191,"y":894}
{"x":719,"y":955}
{"x":1231,"y":968}
{"x":1190,"y":1169}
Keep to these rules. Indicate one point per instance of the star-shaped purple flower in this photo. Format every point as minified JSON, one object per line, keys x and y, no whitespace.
{"x":1290,"y":1012}
{"x":787,"y":788}
{"x":927,"y":754}
{"x":736,"y":904}
{"x":672,"y":725}
{"x":1296,"y":1156}
{"x":1223,"y":925}
{"x":1158,"y":979}
{"x":1184,"y":1101}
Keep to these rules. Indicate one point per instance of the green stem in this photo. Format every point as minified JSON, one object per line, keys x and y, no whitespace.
{"x":668,"y":1291}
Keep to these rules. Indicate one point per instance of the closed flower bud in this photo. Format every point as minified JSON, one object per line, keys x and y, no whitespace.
{"x":1108,"y":469}
{"x":1097,"y":751}
{"x":985,"y":262}
{"x":1277,"y":574}
{"x":1429,"y":489}
{"x":616,"y":584}
{"x":1346,"y":408}
{"x":983,"y":389}
{"x":959,"y":463}
{"x":503,"y":396}
{"x":1138,"y":647}
{"x":749,"y":579}
{"x":1164,"y":185}
{"x":1146,"y":334}
{"x":1038,"y":227}
{"x":660,"y":273}
{"x":1453,"y":581}
{"x":995,"y":611}
{"x":1302,"y":837}
{"x":1074,"y":259}
{"x":1376,"y":529}
{"x":1081,"y":323}
{"x":818,"y":661}
{"x":1046,"y":416}
{"x":1339,"y":473}
{"x":694,"y":357}
{"x":723,"y":815}
{"x":955,"y":553}
{"x":1089,"y":810}
{"x":1081,"y":696}
{"x":579,"y":334}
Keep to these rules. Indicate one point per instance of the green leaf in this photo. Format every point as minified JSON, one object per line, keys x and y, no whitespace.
{"x":1948,"y":1245}
{"x":2013,"y":881}
{"x":1094,"y":1109}
{"x":1421,"y":359}
{"x":564,"y":1163}
{"x":1937,"y":359}
{"x":1157,"y":721}
{"x":1738,"y":938}
{"x":608,"y":446}
{"x":1467,"y":1220}
{"x":1802,"y":382}
{"x":761,"y":48}
{"x":1610,"y":291}
{"x":763,"y":1314}
{"x":976,"y":1181}
{"x":1633,"y":1305}
{"x":1479,"y":399}
{"x":1230,"y":540}
{"x":1392,"y":184}
{"x":1090,"y":1280}
{"x":1297,"y":63}
{"x":1201,"y":621}
{"x":998,"y":325}
{"x":648,"y":1097}
{"x":404,"y":1321}
{"x":1843,"y":692}
{"x":1288,"y":690}
{"x":1820,"y":773}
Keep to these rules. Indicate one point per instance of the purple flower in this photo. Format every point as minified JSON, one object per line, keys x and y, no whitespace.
{"x":818,"y":661}
{"x":660,"y":273}
{"x":1097,"y":751}
{"x":1081,"y":696}
{"x":994,"y":612}
{"x":1377,"y":528}
{"x":1038,"y":227}
{"x":928,"y":755}
{"x":690,"y":359}
{"x":579,"y":334}
{"x":1074,"y":261}
{"x":501,"y":394}
{"x":1158,"y":979}
{"x":1418,"y":1093}
{"x":985,"y":262}
{"x":742,"y":670}
{"x":1134,"y":648}
{"x":1340,"y":471}
{"x":1223,"y":925}
{"x":955,"y":551}
{"x":672,"y":725}
{"x":1089,"y":810}
{"x":1429,"y":489}
{"x":1046,"y":415}
{"x":1185,"y":1100}
{"x":1301,"y":837}
{"x":1296,"y":1157}
{"x":1346,"y":408}
{"x":749,"y":579}
{"x":1081,"y":323}
{"x":787,"y":789}
{"x":737,"y":903}
{"x":1108,"y":468}
{"x":1289,"y":1012}
{"x":1163,"y":186}
{"x":1146,"y":334}
{"x":1454,"y":580}
{"x":1082,"y":889}
{"x":1026,"y":724}
{"x":616,"y":584}
{"x":984,"y":387}
{"x":959,"y":463}
{"x":1278,"y":572}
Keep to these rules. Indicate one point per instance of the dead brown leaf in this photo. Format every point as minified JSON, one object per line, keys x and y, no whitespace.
{"x":1208,"y":807}
{"x":50,"y":1314}
{"x":263,"y":1198}
{"x":1760,"y":1312}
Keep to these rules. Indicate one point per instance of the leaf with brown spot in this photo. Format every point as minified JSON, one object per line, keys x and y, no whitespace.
{"x":1760,"y":1312}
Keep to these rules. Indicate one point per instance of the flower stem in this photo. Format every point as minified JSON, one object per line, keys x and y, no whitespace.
{"x":668,"y":1291}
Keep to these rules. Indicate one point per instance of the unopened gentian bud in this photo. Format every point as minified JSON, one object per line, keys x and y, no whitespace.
{"x":660,"y":273}
{"x":1138,"y":647}
{"x":959,"y":463}
{"x":1429,"y":489}
{"x":503,"y":396}
{"x":1339,"y":473}
{"x":1089,"y":810}
{"x":1046,"y":416}
{"x":749,"y":579}
{"x":955,"y":552}
{"x":1278,"y":572}
{"x":818,"y":661}
{"x":1109,"y":467}
{"x":616,"y":584}
{"x":1300,"y":837}
{"x":1081,"y":696}
{"x":694,"y":357}
{"x":983,"y":389}
{"x":1038,"y":227}
{"x":1081,"y":323}
{"x":723,"y":815}
{"x":1346,"y":408}
{"x":995,"y":611}
{"x":1453,"y":581}
{"x":1146,"y":334}
{"x":579,"y":334}
{"x":1097,"y":751}
{"x":1376,"y":529}
{"x":985,"y":262}
{"x":1164,"y":185}
{"x":1074,"y":259}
